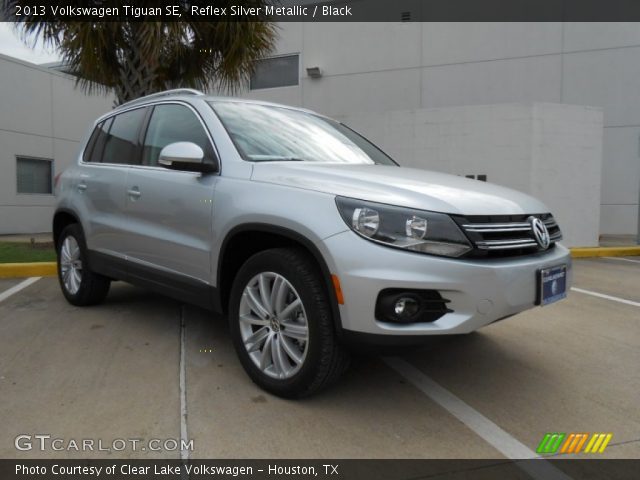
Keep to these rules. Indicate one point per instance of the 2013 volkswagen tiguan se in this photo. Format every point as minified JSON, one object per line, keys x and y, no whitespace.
{"x":307,"y":236}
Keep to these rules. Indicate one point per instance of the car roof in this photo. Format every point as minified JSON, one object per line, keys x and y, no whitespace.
{"x":189,"y":95}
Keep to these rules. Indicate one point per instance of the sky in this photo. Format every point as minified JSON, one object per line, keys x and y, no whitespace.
{"x":12,"y":45}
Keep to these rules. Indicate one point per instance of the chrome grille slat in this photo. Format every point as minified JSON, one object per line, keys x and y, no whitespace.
{"x":496,"y":225}
{"x":505,"y":244}
{"x":497,"y":229}
{"x":505,"y":235}
{"x":508,"y":247}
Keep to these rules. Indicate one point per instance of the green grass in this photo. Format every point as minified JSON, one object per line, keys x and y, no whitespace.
{"x":15,"y":252}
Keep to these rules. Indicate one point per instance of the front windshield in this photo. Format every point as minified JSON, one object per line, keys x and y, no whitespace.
{"x":264,"y":133}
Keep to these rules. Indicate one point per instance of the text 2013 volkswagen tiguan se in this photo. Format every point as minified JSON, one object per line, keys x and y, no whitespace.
{"x":306,"y":235}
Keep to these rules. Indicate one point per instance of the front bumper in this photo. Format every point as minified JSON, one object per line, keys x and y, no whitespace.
{"x":481,"y":291}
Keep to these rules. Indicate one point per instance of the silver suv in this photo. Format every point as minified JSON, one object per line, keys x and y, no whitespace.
{"x":306,"y":235}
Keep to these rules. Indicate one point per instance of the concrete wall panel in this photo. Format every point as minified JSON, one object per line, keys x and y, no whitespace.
{"x":42,"y":116}
{"x":535,"y":79}
{"x":608,"y":79}
{"x":340,"y":48}
{"x":618,"y":219}
{"x":566,"y":167}
{"x":370,"y":92}
{"x":447,"y":43}
{"x":621,"y":166}
{"x":25,"y":98}
{"x":25,"y":219}
{"x":595,"y":35}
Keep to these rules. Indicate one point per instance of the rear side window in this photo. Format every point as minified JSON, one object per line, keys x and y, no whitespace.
{"x":173,"y":123}
{"x":121,"y":142}
{"x":95,"y":146}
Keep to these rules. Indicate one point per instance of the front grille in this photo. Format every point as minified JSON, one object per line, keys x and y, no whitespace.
{"x":505,"y":235}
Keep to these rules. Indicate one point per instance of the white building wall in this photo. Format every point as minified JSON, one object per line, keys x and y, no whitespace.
{"x":382,"y":67}
{"x":533,"y":148}
{"x":42,"y":115}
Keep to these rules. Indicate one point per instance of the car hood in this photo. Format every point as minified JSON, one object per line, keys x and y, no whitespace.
{"x":408,"y":187}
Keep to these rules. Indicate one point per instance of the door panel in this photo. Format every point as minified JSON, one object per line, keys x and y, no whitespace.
{"x":102,"y":180}
{"x":169,"y":220}
{"x":102,"y":188}
{"x":170,"y":212}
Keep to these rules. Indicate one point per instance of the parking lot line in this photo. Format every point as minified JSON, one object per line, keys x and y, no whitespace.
{"x":607,"y":297}
{"x":622,"y":259}
{"x":481,"y":425}
{"x":16,"y":288}
{"x":184,"y":437}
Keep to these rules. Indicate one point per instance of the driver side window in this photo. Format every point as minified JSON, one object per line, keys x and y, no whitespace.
{"x":174,"y":123}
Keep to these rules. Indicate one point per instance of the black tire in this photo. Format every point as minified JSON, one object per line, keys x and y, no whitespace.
{"x":93,"y":287}
{"x":325,"y":359}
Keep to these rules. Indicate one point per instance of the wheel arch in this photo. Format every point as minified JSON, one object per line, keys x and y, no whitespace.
{"x":245,"y":240}
{"x":61,"y":219}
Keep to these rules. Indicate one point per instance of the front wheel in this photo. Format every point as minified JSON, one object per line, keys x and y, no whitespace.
{"x":282,"y":326}
{"x":79,"y":284}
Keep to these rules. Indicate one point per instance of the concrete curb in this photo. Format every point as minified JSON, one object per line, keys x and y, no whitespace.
{"x":35,"y":269}
{"x":585,"y":252}
{"x":48,"y":269}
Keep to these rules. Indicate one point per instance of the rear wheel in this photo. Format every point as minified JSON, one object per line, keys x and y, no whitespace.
{"x":79,"y":284}
{"x":282,"y":326}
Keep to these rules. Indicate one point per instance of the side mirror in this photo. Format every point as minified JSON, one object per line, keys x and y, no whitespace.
{"x":184,"y":156}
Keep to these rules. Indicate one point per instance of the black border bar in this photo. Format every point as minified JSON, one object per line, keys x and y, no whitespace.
{"x":579,"y":468}
{"x":336,"y":11}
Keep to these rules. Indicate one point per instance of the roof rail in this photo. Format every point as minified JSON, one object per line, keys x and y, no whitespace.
{"x":175,"y":91}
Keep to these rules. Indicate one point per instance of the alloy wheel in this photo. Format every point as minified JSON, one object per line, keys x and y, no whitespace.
{"x":71,"y":265}
{"x":273,"y":325}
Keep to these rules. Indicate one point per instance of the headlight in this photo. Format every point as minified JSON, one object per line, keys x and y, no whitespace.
{"x":416,"y":230}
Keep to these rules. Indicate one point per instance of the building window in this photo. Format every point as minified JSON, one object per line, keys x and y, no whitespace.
{"x":34,"y":175}
{"x":276,"y":72}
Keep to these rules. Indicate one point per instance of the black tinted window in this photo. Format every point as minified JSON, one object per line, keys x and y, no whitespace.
{"x":95,"y":146}
{"x":121,"y":142}
{"x":173,"y":123}
{"x":86,"y":156}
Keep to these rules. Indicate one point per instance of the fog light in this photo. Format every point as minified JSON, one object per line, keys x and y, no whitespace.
{"x":406,"y":307}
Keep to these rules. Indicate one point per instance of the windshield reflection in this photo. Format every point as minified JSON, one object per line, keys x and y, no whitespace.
{"x":267,"y":133}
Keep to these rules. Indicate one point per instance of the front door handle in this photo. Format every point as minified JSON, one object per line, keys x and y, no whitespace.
{"x":82,"y":187}
{"x":134,"y":193}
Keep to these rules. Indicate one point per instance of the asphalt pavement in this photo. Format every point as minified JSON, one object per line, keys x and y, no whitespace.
{"x":141,"y":366}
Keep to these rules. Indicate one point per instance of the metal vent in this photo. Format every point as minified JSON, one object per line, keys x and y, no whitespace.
{"x":405,"y":16}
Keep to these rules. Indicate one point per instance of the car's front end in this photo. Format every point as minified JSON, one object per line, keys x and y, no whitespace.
{"x":391,"y":292}
{"x":423,"y":273}
{"x":414,"y":252}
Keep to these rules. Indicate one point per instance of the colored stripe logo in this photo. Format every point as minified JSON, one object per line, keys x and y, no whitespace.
{"x":556,"y":442}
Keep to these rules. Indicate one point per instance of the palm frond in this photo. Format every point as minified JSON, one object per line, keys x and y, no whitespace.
{"x":137,"y":58}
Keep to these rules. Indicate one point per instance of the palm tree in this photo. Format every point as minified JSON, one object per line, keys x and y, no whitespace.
{"x":134,"y":59}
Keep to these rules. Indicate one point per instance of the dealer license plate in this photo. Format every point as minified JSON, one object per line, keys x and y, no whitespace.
{"x":552,"y":284}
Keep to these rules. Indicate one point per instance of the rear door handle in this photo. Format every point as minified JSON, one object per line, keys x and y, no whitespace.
{"x":134,"y":192}
{"x":82,"y":187}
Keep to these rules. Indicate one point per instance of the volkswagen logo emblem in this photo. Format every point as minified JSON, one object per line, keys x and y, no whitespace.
{"x":540,"y":232}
